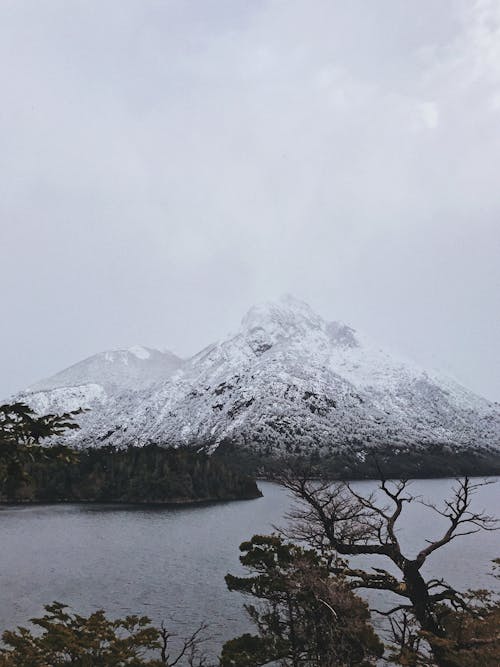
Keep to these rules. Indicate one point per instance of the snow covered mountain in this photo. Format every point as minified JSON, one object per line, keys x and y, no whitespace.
{"x":103,"y":376}
{"x":286,"y":381}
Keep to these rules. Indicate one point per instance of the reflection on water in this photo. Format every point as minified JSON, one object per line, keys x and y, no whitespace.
{"x":169,"y":563}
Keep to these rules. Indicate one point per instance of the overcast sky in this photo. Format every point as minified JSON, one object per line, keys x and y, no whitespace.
{"x":166,"y":164}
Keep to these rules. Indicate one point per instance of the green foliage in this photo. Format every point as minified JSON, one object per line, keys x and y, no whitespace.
{"x":19,"y":425}
{"x":71,"y":639}
{"x":251,"y":650}
{"x":304,"y":616}
{"x":64,"y":639}
{"x":21,"y":432}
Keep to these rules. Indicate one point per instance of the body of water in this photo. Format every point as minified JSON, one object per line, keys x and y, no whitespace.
{"x":169,"y":563}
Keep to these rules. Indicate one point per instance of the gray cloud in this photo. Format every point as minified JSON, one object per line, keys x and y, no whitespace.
{"x":163,"y":165}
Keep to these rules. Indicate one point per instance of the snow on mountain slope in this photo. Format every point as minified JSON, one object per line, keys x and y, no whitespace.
{"x":66,"y":399}
{"x":94,"y":381}
{"x":115,"y":370}
{"x":288,"y":381}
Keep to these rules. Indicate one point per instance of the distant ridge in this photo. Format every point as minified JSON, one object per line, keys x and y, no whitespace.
{"x":134,"y":368}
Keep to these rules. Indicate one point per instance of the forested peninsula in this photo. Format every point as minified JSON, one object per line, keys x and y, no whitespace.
{"x":149,"y":474}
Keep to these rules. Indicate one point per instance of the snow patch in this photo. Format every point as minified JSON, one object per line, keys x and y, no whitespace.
{"x":140,"y":352}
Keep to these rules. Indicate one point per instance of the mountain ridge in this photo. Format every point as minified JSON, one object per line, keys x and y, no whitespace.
{"x":287,"y":381}
{"x":120,"y":367}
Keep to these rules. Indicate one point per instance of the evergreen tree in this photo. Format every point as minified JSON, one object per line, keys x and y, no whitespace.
{"x":304,"y":616}
{"x":21,"y":434}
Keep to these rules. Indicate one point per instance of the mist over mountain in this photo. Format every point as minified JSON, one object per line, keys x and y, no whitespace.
{"x":286,"y":381}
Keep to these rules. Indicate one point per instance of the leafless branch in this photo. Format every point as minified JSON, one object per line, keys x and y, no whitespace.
{"x":189,"y":648}
{"x":458,"y":513}
{"x":339,"y":522}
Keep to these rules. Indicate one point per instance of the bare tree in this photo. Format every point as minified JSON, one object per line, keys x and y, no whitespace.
{"x":340,"y":522}
{"x":189,"y":653}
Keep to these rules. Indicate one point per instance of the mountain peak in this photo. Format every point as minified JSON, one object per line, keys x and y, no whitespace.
{"x":140,"y":352}
{"x":286,"y":316}
{"x":291,"y":318}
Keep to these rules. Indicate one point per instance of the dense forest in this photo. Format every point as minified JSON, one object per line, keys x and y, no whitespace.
{"x":148,"y":474}
{"x":358,"y":462}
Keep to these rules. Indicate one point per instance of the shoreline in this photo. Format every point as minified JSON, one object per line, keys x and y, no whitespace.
{"x":128,"y":503}
{"x":176,"y":502}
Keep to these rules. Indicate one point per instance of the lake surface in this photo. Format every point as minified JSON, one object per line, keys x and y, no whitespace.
{"x":169,"y":563}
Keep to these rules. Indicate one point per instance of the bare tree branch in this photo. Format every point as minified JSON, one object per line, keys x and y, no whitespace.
{"x":189,"y":648}
{"x":458,"y":513}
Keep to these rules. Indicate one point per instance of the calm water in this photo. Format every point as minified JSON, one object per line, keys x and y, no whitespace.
{"x":170,"y":563}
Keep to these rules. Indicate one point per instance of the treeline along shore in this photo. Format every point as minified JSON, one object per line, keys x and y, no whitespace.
{"x":159,"y":474}
{"x":149,"y":474}
{"x":349,"y":463}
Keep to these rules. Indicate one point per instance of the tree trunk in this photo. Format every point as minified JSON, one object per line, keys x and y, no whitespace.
{"x":422,"y":607}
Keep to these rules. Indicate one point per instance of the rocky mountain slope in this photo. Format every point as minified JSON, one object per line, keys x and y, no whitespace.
{"x":286,"y":382}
